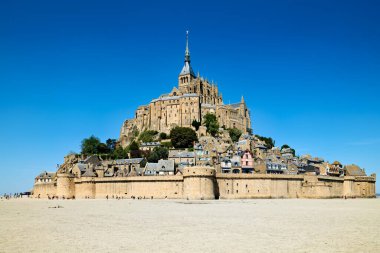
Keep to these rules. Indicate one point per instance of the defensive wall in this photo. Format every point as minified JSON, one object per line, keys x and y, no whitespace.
{"x":205,"y":183}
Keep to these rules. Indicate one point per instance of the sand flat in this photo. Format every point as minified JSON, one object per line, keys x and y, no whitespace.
{"x":282,"y":225}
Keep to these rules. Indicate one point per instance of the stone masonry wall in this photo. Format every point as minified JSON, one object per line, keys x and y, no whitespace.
{"x":203,"y":183}
{"x":44,"y":190}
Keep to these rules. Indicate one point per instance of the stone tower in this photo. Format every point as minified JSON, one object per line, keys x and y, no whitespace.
{"x":199,"y":183}
{"x":187,"y":74}
{"x":65,"y":185}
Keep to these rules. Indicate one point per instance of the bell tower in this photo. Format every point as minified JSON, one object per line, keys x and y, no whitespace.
{"x":187,"y":73}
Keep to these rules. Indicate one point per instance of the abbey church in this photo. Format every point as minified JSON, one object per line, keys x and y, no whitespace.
{"x":193,"y":98}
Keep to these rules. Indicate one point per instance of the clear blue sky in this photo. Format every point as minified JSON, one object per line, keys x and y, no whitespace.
{"x":309,"y":71}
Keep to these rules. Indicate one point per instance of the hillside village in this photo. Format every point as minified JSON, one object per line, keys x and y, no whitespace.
{"x":250,"y":154}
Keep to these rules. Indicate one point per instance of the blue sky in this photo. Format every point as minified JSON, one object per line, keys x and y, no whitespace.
{"x":309,"y":72}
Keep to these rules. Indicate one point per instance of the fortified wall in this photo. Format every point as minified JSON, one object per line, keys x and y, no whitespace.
{"x":198,"y":183}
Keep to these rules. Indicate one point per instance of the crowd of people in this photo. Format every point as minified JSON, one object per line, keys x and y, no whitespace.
{"x":14,"y":195}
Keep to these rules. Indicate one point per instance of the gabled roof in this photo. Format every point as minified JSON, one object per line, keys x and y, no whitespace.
{"x":82,"y":167}
{"x":89,"y":173}
{"x":151,"y":166}
{"x":46,"y":174}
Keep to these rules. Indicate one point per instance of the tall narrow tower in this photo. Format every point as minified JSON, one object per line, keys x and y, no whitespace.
{"x":187,"y":73}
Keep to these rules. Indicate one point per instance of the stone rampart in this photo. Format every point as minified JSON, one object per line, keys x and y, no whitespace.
{"x":44,"y":190}
{"x":205,"y":183}
{"x":160,"y":187}
{"x":85,"y":188}
{"x":247,"y":186}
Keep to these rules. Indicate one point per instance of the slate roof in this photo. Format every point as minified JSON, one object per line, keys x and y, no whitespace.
{"x":128,"y":161}
{"x":46,"y":174}
{"x":161,"y":165}
{"x":260,"y":146}
{"x":166,"y":98}
{"x":166,"y":165}
{"x":150,"y":144}
{"x":151,"y":167}
{"x":311,"y":168}
{"x":187,"y":69}
{"x":181,"y":154}
{"x":235,"y":105}
{"x":89,"y":173}
{"x":82,"y":167}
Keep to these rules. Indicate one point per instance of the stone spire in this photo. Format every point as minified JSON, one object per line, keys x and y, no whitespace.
{"x":187,"y":69}
{"x":242,"y":100}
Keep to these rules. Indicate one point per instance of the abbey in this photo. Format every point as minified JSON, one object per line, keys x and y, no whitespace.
{"x":191,"y":100}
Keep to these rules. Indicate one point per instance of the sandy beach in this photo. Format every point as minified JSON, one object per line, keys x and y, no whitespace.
{"x":282,"y":225}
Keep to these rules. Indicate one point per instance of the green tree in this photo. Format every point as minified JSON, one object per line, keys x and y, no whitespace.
{"x":135,"y":131}
{"x":269,"y":142}
{"x":134,"y":149}
{"x":148,"y":136}
{"x":111,"y":144}
{"x":167,"y":144}
{"x":157,"y":154}
{"x":291,"y":149}
{"x":183,"y":137}
{"x":196,"y":124}
{"x":133,"y":146}
{"x":163,"y":136}
{"x":120,"y":153}
{"x":284,"y":146}
{"x":234,"y":134}
{"x":90,"y":145}
{"x":211,"y":123}
{"x":103,"y":148}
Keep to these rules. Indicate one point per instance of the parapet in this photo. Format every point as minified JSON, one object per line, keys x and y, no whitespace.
{"x":199,"y":171}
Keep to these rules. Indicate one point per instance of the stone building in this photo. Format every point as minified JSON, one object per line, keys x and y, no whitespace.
{"x":162,"y":167}
{"x":193,"y":98}
{"x":45,"y":177}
